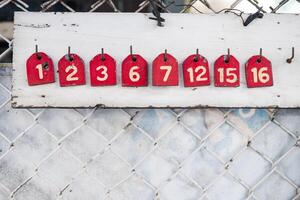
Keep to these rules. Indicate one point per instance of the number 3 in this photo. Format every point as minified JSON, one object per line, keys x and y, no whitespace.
{"x":104,"y":73}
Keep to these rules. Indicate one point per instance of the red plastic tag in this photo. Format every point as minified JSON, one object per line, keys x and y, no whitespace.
{"x":134,"y":71}
{"x":165,"y":70}
{"x":227,"y":71}
{"x":71,"y":70}
{"x":195,"y":71}
{"x":103,"y":70}
{"x":259,"y":72}
{"x":39,"y":69}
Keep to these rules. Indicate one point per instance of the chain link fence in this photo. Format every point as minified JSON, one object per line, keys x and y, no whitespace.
{"x":165,"y":154}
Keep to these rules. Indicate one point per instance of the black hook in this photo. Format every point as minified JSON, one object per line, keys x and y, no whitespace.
{"x":289,"y":60}
{"x":132,"y":56}
{"x":260,"y":55}
{"x":227,"y":56}
{"x":197,"y":56}
{"x":156,"y":12}
{"x":38,"y":56}
{"x":252,"y":17}
{"x":102,"y":54}
{"x":69,"y":54}
{"x":165,"y":56}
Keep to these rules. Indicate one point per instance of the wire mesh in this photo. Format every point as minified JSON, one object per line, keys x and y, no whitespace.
{"x":147,"y":154}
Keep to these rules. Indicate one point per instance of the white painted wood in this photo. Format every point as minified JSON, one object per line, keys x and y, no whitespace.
{"x":87,"y":33}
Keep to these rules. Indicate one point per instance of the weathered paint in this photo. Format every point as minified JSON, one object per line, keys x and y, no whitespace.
{"x":181,"y":35}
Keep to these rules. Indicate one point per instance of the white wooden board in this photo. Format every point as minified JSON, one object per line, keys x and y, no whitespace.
{"x":87,"y":33}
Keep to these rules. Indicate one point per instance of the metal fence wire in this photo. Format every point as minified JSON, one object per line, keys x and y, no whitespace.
{"x":165,"y":154}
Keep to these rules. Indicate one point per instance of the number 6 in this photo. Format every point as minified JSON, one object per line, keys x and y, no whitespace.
{"x":134,"y":75}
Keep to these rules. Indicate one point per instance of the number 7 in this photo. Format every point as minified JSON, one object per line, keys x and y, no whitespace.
{"x":168,"y":71}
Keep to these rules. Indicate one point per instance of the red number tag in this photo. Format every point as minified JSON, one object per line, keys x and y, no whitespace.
{"x":39,"y":69}
{"x":195,"y":71}
{"x":71,"y":70}
{"x":259,"y":72}
{"x":134,"y":71}
{"x":103,"y":70}
{"x":227,"y":71}
{"x":165,"y":70}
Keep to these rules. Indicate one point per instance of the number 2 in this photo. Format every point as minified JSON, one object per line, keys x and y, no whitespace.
{"x":70,"y":76}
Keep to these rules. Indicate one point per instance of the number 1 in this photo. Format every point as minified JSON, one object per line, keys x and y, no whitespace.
{"x":39,"y":67}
